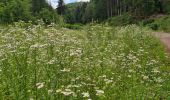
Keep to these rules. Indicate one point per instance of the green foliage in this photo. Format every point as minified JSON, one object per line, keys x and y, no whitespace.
{"x":75,"y":12}
{"x":61,"y":7}
{"x":121,"y":20}
{"x":15,"y":11}
{"x":26,"y":10}
{"x":89,"y":13}
{"x":166,"y":6}
{"x":162,"y":24}
{"x":47,"y":16}
{"x":38,"y":5}
{"x":100,"y":10}
{"x":154,"y":26}
{"x":73,"y":26}
{"x":97,"y":62}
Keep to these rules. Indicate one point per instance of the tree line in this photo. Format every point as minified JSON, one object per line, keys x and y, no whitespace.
{"x":82,"y":12}
{"x":26,"y":10}
{"x":103,"y":9}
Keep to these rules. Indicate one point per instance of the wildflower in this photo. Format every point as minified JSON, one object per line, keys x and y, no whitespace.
{"x":77,"y":52}
{"x":108,"y":81}
{"x":67,"y":92}
{"x":66,"y":70}
{"x":34,"y":46}
{"x":31,"y":99}
{"x":129,"y":76}
{"x":131,"y":71}
{"x":159,"y":80}
{"x":40,"y":85}
{"x":52,"y":61}
{"x":139,"y":66}
{"x":59,"y":90}
{"x":145,"y":77}
{"x":50,"y":91}
{"x":99,"y":92}
{"x":85,"y":94}
{"x":156,"y":70}
{"x":104,"y":76}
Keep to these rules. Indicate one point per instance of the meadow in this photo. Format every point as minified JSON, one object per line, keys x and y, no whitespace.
{"x":98,"y":62}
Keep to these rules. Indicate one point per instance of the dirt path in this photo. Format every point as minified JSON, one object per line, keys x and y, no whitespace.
{"x":165,"y":39}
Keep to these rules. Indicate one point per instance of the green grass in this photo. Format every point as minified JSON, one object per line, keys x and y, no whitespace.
{"x":97,"y":62}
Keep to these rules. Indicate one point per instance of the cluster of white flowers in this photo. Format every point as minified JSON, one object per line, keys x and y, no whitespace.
{"x":77,"y":52}
{"x":86,"y":94}
{"x":73,"y":65}
{"x":39,"y":85}
{"x":66,"y":92}
{"x":66,"y":70}
{"x":99,"y":92}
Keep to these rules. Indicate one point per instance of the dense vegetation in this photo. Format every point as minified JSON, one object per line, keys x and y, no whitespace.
{"x":27,"y":10}
{"x":97,"y":62}
{"x":99,"y":10}
{"x":82,"y":12}
{"x":161,"y":23}
{"x":97,"y":50}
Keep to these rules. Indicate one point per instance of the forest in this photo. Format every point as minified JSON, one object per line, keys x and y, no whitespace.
{"x":85,"y":50}
{"x":81,"y":12}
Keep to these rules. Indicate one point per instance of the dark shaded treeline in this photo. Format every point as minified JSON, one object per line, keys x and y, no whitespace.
{"x":82,"y":12}
{"x":103,"y":9}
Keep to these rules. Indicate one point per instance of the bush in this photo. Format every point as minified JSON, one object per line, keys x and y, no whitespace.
{"x":73,"y":26}
{"x":48,"y":16}
{"x":154,"y":26}
{"x":122,"y":20}
{"x":162,"y":24}
{"x":147,"y":21}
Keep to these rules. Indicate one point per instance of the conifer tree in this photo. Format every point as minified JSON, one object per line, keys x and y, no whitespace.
{"x":61,"y":7}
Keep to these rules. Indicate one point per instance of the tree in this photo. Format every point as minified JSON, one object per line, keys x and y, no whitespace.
{"x":61,"y":7}
{"x":38,"y":5}
{"x":89,"y":13}
{"x":25,"y":10}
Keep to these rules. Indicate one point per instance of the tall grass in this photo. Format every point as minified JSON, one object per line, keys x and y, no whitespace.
{"x":97,"y":62}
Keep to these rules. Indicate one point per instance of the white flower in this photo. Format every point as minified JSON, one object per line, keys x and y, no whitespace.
{"x":145,"y":77}
{"x":108,"y":81}
{"x":159,"y":80}
{"x":99,"y":92}
{"x":156,"y":70}
{"x":59,"y":90}
{"x":85,"y":94}
{"x":31,"y":99}
{"x":50,"y":91}
{"x":66,"y":70}
{"x":131,"y":71}
{"x":34,"y":46}
{"x":40,"y":85}
{"x":129,"y":76}
{"x":68,"y":92}
{"x":77,"y":52}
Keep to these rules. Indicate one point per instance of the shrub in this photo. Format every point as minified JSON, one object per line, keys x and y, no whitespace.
{"x":73,"y":26}
{"x":122,"y":20}
{"x":163,"y":23}
{"x":48,"y":16}
{"x":154,"y":26}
